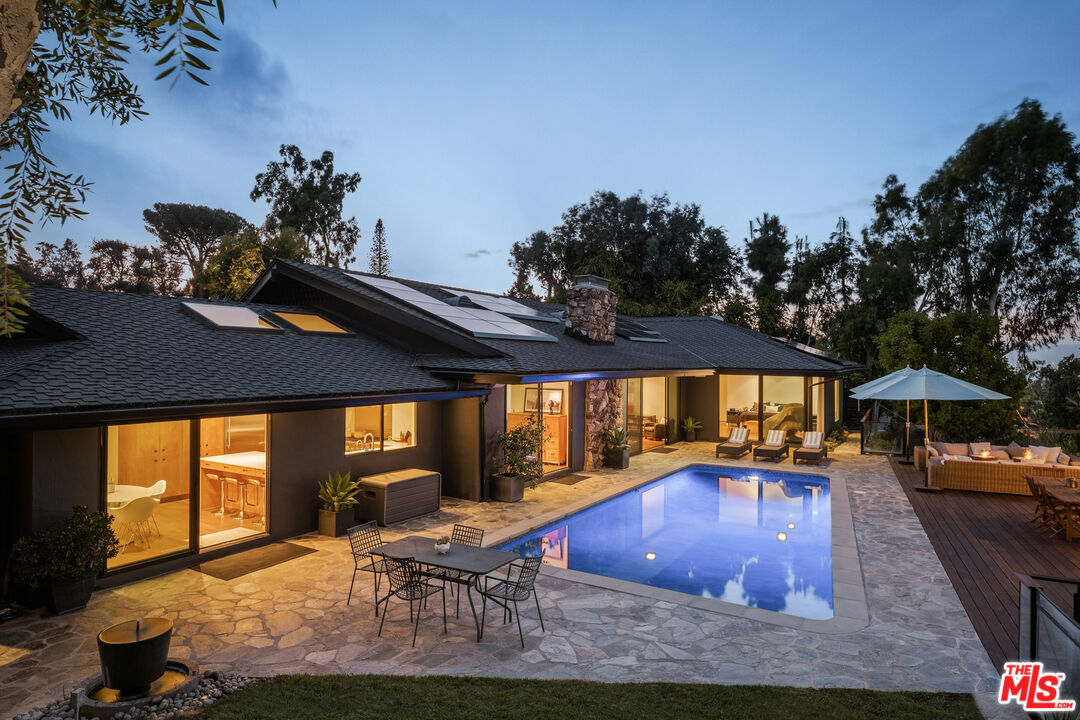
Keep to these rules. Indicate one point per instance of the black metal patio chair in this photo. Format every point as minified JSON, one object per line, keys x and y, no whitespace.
{"x":470,"y":537}
{"x":407,"y":582}
{"x":363,"y":539}
{"x":511,"y":590}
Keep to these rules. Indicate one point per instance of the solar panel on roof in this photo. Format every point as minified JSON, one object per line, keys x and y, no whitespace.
{"x":480,"y":323}
{"x":230,"y":316}
{"x":504,"y":306}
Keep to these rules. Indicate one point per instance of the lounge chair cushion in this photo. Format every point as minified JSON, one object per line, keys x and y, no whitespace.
{"x":738,"y":436}
{"x":812,"y":440}
{"x":1015,"y":450}
{"x":775,"y":438}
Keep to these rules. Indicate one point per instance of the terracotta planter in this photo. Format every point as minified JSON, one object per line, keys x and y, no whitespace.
{"x":507,"y":488}
{"x":71,"y":595}
{"x":336,"y":524}
{"x":618,"y":458}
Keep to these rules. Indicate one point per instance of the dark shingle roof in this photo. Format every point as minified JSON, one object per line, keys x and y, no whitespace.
{"x":146,"y":351}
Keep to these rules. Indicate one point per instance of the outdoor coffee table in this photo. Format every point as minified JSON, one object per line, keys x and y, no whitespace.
{"x":468,"y":560}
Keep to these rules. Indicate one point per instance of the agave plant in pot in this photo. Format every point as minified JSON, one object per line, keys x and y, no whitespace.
{"x":338,"y":496}
{"x":616,"y":448}
{"x":690,"y":426}
{"x":521,"y":461}
{"x":66,"y":559}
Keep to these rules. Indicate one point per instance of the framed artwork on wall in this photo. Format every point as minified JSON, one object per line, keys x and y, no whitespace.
{"x":532,"y":399}
{"x":553,"y":402}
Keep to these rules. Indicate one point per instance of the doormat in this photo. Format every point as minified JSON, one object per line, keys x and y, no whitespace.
{"x":664,"y":451}
{"x":234,"y":566}
{"x":570,"y":479}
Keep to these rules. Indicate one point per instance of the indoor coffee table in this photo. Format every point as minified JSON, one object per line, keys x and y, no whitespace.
{"x":468,"y":560}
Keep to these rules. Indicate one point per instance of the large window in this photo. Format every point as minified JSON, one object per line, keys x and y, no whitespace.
{"x":148,"y":489}
{"x":739,"y":403}
{"x":379,"y":428}
{"x":232,"y":479}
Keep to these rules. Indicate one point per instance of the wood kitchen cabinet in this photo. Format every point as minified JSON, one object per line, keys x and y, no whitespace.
{"x":149,"y":452}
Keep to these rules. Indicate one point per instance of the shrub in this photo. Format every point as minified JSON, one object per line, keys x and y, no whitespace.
{"x":79,"y":547}
{"x":338,"y":492}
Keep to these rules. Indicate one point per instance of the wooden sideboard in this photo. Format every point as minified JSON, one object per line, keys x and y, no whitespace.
{"x":554,"y":435}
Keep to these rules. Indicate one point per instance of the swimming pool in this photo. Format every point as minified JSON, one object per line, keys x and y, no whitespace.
{"x":758,"y":538}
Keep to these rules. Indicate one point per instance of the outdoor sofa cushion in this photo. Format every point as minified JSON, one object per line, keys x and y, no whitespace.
{"x":1048,"y":454}
{"x":1015,"y":450}
{"x":1000,"y":455}
{"x":978,"y":448}
{"x":966,"y":458}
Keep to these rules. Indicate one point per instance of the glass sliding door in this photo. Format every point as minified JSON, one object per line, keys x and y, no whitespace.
{"x":739,"y":404}
{"x":148,"y":489}
{"x":548,"y":404}
{"x":783,"y":405}
{"x":232,"y":479}
{"x":654,"y":421}
{"x":634,"y":414}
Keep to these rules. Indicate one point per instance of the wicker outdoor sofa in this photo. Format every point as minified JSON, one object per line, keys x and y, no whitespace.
{"x":994,"y":477}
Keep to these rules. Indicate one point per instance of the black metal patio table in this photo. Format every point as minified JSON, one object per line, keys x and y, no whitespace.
{"x":468,"y":560}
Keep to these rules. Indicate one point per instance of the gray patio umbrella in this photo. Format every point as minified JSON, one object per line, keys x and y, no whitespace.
{"x":929,"y":385}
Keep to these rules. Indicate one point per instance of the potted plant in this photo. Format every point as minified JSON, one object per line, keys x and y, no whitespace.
{"x":442,"y":544}
{"x":521,"y":461}
{"x":690,"y":427}
{"x":616,"y":448}
{"x":338,"y":496}
{"x":66,"y":559}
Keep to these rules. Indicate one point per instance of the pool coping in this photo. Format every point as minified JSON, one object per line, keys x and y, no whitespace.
{"x":850,"y":610}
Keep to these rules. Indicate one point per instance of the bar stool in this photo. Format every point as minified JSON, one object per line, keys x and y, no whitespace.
{"x":257,"y":485}
{"x":226,"y":496}
{"x":220,"y":512}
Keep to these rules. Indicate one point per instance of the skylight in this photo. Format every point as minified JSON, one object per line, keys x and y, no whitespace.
{"x":479,"y":323}
{"x":310,"y":322}
{"x":503,"y":306}
{"x":232,"y":317}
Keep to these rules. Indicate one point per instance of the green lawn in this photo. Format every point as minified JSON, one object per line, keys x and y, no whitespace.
{"x":448,"y":698}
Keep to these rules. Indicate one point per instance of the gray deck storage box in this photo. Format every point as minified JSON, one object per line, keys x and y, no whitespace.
{"x":399,"y":495}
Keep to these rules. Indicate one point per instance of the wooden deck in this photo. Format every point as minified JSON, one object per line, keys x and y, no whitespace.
{"x":984,"y":540}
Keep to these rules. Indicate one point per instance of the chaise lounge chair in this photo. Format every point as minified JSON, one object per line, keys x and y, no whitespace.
{"x":736,"y":445}
{"x":813,"y":449}
{"x":774,"y":446}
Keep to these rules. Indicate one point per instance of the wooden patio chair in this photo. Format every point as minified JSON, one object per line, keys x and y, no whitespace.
{"x":813,"y":449}
{"x":737,"y":444}
{"x":1053,"y":513}
{"x":774,"y":447}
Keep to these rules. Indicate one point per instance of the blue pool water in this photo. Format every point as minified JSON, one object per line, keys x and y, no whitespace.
{"x":753,"y":537}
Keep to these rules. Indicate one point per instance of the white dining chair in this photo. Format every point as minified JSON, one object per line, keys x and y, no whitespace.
{"x":156,"y":491}
{"x":135,"y":516}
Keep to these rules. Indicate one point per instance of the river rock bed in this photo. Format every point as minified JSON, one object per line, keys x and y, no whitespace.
{"x":213,"y":685}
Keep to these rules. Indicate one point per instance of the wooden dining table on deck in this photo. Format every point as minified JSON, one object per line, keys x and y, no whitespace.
{"x":1058,"y":488}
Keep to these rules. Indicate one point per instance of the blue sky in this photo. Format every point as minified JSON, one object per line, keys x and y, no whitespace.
{"x":475,"y":124}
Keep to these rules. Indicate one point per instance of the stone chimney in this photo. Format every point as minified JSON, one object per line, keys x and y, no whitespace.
{"x":590,"y":309}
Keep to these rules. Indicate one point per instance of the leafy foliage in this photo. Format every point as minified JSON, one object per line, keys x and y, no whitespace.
{"x":661,"y":258}
{"x":80,"y":546}
{"x":379,"y":257}
{"x":521,"y":450}
{"x":338,"y":492}
{"x":766,"y":255}
{"x":691,"y":424}
{"x":308,"y":196}
{"x":191,"y":233}
{"x":615,"y":439}
{"x":80,"y":60}
{"x":965,"y":345}
{"x":239,"y":260}
{"x":55,"y":266}
{"x":1055,"y":402}
{"x":117,"y":266}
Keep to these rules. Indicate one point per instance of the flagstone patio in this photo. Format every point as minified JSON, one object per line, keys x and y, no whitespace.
{"x":293,"y":618}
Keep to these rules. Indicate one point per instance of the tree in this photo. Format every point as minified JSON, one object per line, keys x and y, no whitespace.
{"x":117,"y":266}
{"x":965,"y":345}
{"x":190,"y":233}
{"x":55,"y":266}
{"x":661,"y":258}
{"x":998,"y":228}
{"x":1057,"y":402}
{"x":75,"y":52}
{"x":766,"y":254}
{"x":308,"y":196}
{"x":240,"y":259}
{"x":379,"y":258}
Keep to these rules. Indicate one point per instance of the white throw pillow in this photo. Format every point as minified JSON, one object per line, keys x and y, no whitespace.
{"x":956,"y":457}
{"x":1048,"y":454}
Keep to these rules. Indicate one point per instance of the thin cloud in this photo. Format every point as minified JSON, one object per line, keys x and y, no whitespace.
{"x":477,"y":254}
